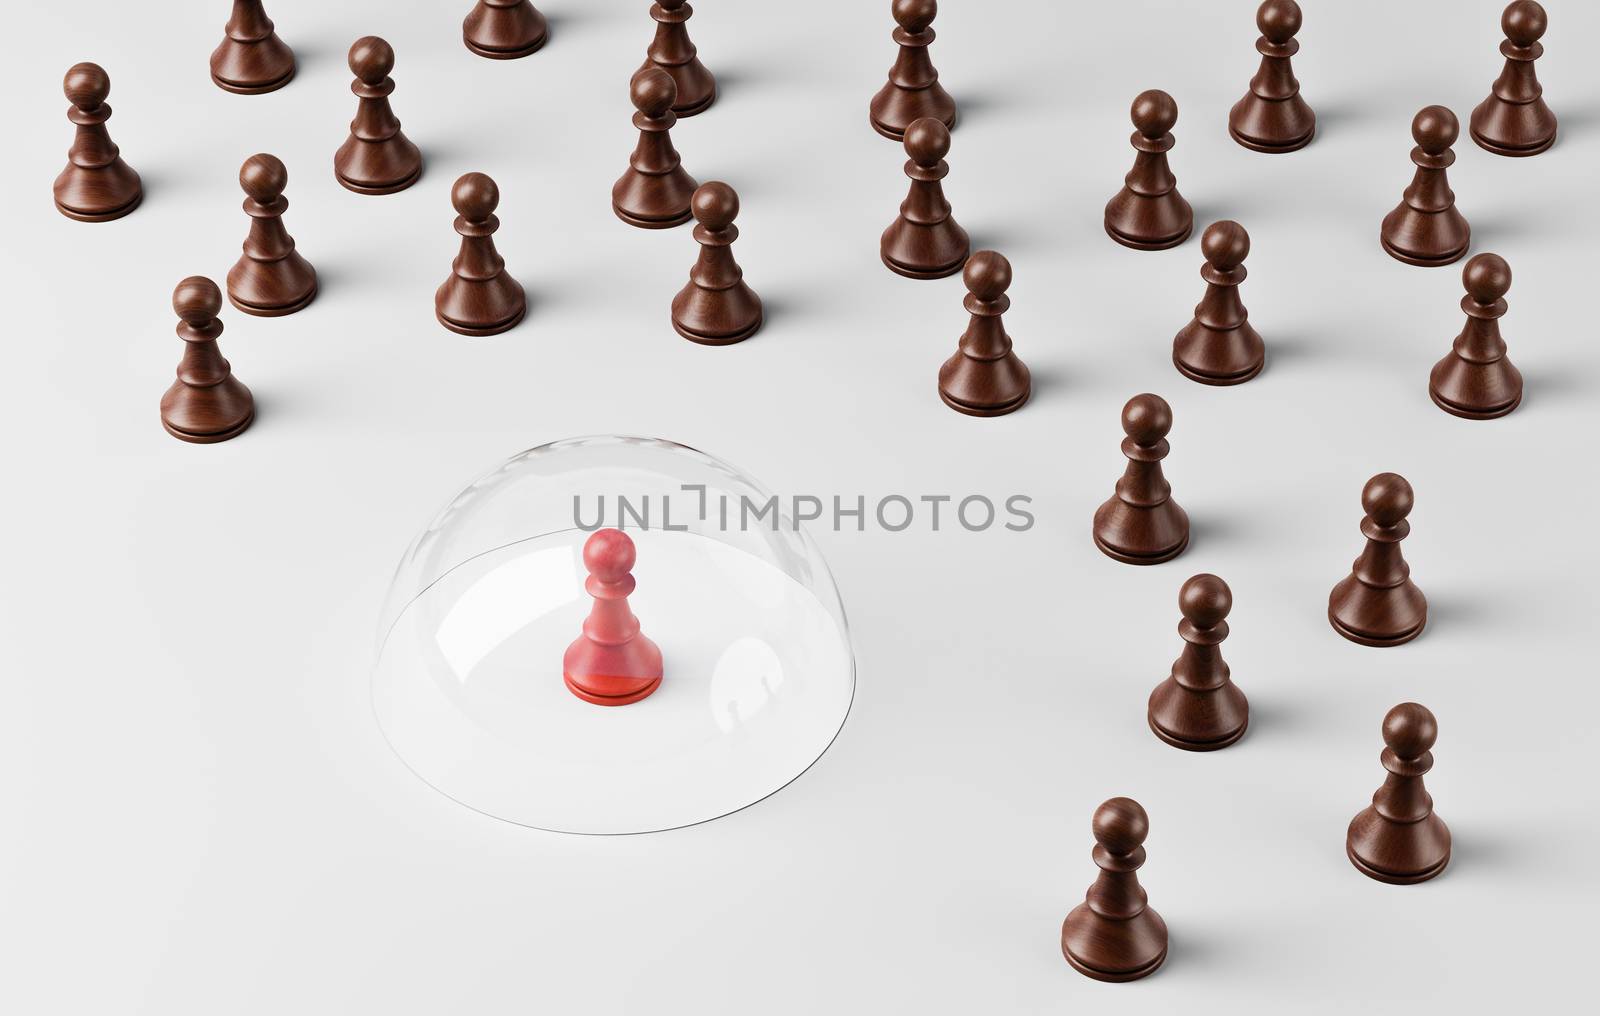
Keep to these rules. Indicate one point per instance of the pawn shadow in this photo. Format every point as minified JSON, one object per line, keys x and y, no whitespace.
{"x":1452,"y":612}
{"x":1541,"y":385}
{"x":1474,"y":850}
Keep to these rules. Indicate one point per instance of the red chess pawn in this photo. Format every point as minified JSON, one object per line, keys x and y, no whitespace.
{"x":1113,"y":935}
{"x":1377,"y":604}
{"x":611,"y":664}
{"x":913,"y":90}
{"x":1198,"y":707}
{"x":654,"y":191}
{"x":1398,"y":839}
{"x":504,"y":29}
{"x":1475,"y":380}
{"x":1272,"y":117}
{"x":1514,"y":119}
{"x":251,"y":59}
{"x":672,"y":51}
{"x":1148,"y":213}
{"x":1425,"y":229}
{"x":96,"y":186}
{"x":1140,"y":523}
{"x":924,"y":241}
{"x":1218,"y":346}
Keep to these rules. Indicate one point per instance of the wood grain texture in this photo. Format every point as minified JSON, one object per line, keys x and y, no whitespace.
{"x":1219,"y":346}
{"x":913,"y":90}
{"x":1113,"y":935}
{"x":1272,"y":117}
{"x":377,"y":157}
{"x":925,"y":241}
{"x":206,"y":403}
{"x":1398,"y":839}
{"x":985,"y":377}
{"x":96,"y":185}
{"x":655,"y":190}
{"x":1377,"y":604}
{"x":716,"y":307}
{"x":672,"y":51}
{"x":1148,"y":213}
{"x":270,"y":279}
{"x":1140,"y":523}
{"x":1514,"y":119}
{"x":1425,"y":229}
{"x":251,"y":59}
{"x":1476,"y":380}
{"x":504,"y":29}
{"x":1198,"y":707}
{"x":480,"y":297}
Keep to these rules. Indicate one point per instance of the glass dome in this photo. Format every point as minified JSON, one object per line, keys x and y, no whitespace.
{"x":758,"y":672}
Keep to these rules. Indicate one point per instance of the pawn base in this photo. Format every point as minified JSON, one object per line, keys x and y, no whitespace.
{"x":115,"y":213}
{"x":507,"y":54}
{"x":1217,"y":380}
{"x":1116,"y":977}
{"x":1136,"y":244}
{"x":696,"y":107}
{"x":1178,"y":742}
{"x":912,"y":272}
{"x":384,"y":188}
{"x":1470,"y":412}
{"x":974,"y":410}
{"x":611,"y":700}
{"x":716,"y":340}
{"x":1381,"y":641}
{"x":461,"y":328}
{"x":1126,"y":558}
{"x":644,"y":223}
{"x":1393,"y":879}
{"x":254,"y":88}
{"x":209,"y":438}
{"x":1272,"y":149}
{"x":1424,"y":262}
{"x":1499,"y":149}
{"x":261,"y":310}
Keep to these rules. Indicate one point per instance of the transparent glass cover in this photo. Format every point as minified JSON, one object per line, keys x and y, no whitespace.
{"x":758,"y":673}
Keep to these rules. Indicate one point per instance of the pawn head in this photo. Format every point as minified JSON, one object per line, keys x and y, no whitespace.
{"x":1146,"y":418}
{"x":1225,"y":244}
{"x":1205,"y":600}
{"x":371,"y":59}
{"x":915,"y":15}
{"x":1278,"y":20}
{"x":1524,"y":22}
{"x":1120,"y":825}
{"x":197,"y":300}
{"x":987,"y":275}
{"x":86,"y":85}
{"x":263,"y":177}
{"x":715,"y":205}
{"x":1435,"y":129}
{"x":653,"y":91}
{"x":1487,"y":277}
{"x":1409,"y":729}
{"x":609,"y":554}
{"x":1387,"y":498}
{"x":475,"y":197}
{"x":1154,"y":112}
{"x":927,"y":141}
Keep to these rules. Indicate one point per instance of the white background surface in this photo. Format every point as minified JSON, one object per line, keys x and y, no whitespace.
{"x":202,"y":817}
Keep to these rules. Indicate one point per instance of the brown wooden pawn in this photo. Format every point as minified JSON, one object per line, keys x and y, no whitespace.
{"x":1272,"y":117}
{"x":96,"y":186}
{"x":1425,"y":229}
{"x":984,"y":377}
{"x":1218,"y":346}
{"x":377,"y":158}
{"x":924,"y":241}
{"x":480,"y":297}
{"x":716,"y":307}
{"x":1475,"y":380}
{"x":672,"y":51}
{"x":1198,"y":707}
{"x":1398,"y":839}
{"x":251,"y":59}
{"x":504,"y":29}
{"x":1140,"y":523}
{"x":913,"y":90}
{"x":654,"y":191}
{"x":1514,"y":119}
{"x":206,"y":403}
{"x":271,"y":278}
{"x":1113,"y":935}
{"x":1378,"y":604}
{"x":1148,"y":213}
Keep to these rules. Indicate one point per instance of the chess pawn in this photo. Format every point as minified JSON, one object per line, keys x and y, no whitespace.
{"x":271,"y":278}
{"x":480,"y":297}
{"x":1148,"y":213}
{"x":1425,"y":229}
{"x":206,"y":403}
{"x":654,"y":191}
{"x":1514,"y":119}
{"x":913,"y":90}
{"x":1218,"y":347}
{"x":1272,"y":117}
{"x":1378,"y":604}
{"x":611,"y":663}
{"x":1398,"y":839}
{"x":1113,"y":935}
{"x":716,"y":307}
{"x":1475,"y":380}
{"x":96,"y":186}
{"x":1140,"y":523}
{"x":672,"y":51}
{"x":377,"y":158}
{"x":984,"y":377}
{"x":504,"y":29}
{"x":924,"y":242}
{"x":251,"y":59}
{"x":1198,"y":707}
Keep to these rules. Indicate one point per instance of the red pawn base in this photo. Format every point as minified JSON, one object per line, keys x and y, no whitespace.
{"x":610,"y":700}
